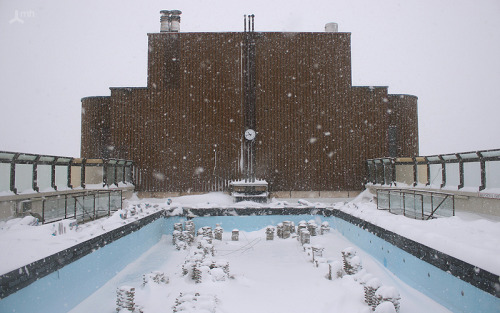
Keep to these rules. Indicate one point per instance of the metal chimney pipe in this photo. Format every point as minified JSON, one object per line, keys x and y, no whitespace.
{"x":331,"y":27}
{"x":165,"y":21}
{"x":175,"y":21}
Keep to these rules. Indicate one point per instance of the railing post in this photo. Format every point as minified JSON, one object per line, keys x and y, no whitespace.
{"x":53,"y":174}
{"x":415,"y":172}
{"x":13,"y":173}
{"x":34,"y":182}
{"x":114,"y":169}
{"x":482,"y":164}
{"x":82,"y":175}
{"x":65,"y":206}
{"x":368,"y":178}
{"x":43,"y":211}
{"x":105,"y":172}
{"x":69,"y":173}
{"x":443,"y":171}
{"x":422,"y":205}
{"x":460,"y":171}
{"x":393,"y":174}
{"x":428,"y":171}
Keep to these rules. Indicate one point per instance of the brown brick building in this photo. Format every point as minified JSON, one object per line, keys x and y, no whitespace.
{"x":185,"y":130}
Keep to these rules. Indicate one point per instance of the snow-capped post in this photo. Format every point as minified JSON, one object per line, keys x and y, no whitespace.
{"x":155,"y":277}
{"x":388,"y":293}
{"x":235,"y":235}
{"x":188,"y":237}
{"x":312,"y":227}
{"x":176,"y":235}
{"x":279,"y":230}
{"x":189,"y":227}
{"x":305,"y":237}
{"x":317,"y":252}
{"x":287,"y":225}
{"x":269,"y":233}
{"x":325,"y":228}
{"x":371,"y":287}
{"x":178,"y":226}
{"x":125,"y":299}
{"x":206,"y":231}
{"x":302,"y":225}
{"x":335,"y":270}
{"x":218,"y":231}
{"x":352,"y":262}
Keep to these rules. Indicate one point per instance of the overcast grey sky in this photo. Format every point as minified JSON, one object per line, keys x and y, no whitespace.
{"x":443,"y":51}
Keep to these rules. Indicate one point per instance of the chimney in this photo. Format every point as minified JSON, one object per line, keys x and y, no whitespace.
{"x":331,"y":27}
{"x":170,"y":21}
{"x":165,"y":21}
{"x":175,"y":25}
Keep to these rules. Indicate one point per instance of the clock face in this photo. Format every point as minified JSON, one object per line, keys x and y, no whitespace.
{"x":250,"y":134}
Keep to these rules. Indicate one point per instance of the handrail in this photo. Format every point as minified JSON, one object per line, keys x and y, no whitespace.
{"x":471,"y":171}
{"x":61,"y":209}
{"x":419,"y":202}
{"x":21,"y":173}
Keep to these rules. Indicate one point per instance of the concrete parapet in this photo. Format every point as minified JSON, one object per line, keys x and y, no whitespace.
{"x":315,"y":194}
{"x":354,"y":193}
{"x":333,"y":194}
{"x":280,"y":194}
{"x":304,"y":194}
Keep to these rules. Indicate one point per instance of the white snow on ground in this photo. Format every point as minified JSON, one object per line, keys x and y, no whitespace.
{"x":468,"y":237}
{"x":267,"y":276}
{"x":465,"y":236}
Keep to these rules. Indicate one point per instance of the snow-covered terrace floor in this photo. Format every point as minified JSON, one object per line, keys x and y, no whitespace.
{"x":471,"y":238}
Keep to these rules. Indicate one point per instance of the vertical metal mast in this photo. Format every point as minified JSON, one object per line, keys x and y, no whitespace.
{"x":249,"y":97}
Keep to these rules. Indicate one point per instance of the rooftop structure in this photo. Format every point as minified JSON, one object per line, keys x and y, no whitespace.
{"x":226,"y":106}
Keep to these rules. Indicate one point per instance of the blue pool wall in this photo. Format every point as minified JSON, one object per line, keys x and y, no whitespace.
{"x":67,"y":287}
{"x":444,"y":288}
{"x":64,"y":289}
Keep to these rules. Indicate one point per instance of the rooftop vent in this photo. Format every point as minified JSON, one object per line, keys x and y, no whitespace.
{"x":331,"y":27}
{"x":170,"y":21}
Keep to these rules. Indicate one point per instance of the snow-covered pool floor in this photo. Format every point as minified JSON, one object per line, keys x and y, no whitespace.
{"x":269,"y":276}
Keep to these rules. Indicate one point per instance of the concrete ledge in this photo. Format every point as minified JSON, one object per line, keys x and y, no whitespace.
{"x":304,"y":194}
{"x":280,"y":194}
{"x":315,"y":194}
{"x":333,"y":194}
{"x":354,"y":193}
{"x":274,"y":194}
{"x":166,"y":194}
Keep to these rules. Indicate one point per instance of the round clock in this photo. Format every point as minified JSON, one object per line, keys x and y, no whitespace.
{"x":250,"y":134}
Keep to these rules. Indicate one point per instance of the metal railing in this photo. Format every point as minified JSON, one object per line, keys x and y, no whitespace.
{"x":468,"y":171}
{"x":417,"y":204}
{"x":24,"y":173}
{"x":82,"y":206}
